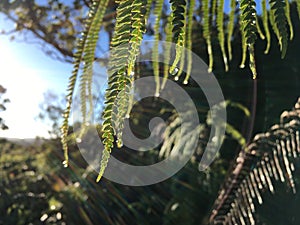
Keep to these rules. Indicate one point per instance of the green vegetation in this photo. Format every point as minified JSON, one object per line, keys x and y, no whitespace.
{"x":36,"y":189}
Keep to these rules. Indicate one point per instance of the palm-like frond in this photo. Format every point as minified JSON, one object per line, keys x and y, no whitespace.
{"x":268,"y":158}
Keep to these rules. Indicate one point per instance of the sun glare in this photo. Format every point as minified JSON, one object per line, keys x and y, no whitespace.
{"x":25,"y":90}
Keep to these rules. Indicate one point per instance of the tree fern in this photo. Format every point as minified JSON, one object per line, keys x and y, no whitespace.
{"x":268,"y":158}
{"x":85,"y":48}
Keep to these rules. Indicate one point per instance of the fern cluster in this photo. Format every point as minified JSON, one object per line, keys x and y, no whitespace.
{"x":268,"y":158}
{"x":130,"y":24}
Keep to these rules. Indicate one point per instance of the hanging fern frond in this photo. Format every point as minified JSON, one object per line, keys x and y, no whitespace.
{"x":213,"y":6}
{"x":117,"y":69}
{"x":279,"y":22}
{"x":179,"y":137}
{"x":155,"y":53}
{"x":167,"y":51}
{"x":220,"y":24}
{"x":298,"y":7}
{"x":249,"y":29}
{"x":179,"y":33}
{"x":244,"y":48}
{"x":266,"y":25}
{"x":129,"y":29}
{"x":138,"y":28}
{"x":206,"y":34}
{"x":85,"y":53}
{"x":259,"y":30}
{"x":148,"y":9}
{"x":288,"y":17}
{"x":230,"y":27}
{"x":122,"y":106}
{"x":130,"y":25}
{"x":229,"y":129}
{"x":268,"y":158}
{"x":189,"y":40}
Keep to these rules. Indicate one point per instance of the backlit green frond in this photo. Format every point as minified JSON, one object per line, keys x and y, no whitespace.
{"x":130,"y":25}
{"x":122,"y":106}
{"x":206,"y":33}
{"x":229,"y":129}
{"x":298,"y":7}
{"x":244,"y":47}
{"x":213,"y":7}
{"x":278,"y":18}
{"x":148,"y":9}
{"x":179,"y":20}
{"x":125,"y":44}
{"x":265,"y":24}
{"x":259,"y":30}
{"x":189,"y":39}
{"x":117,"y":69}
{"x":288,"y":17}
{"x":249,"y":29}
{"x":220,"y":24}
{"x":155,"y":54}
{"x":167,"y":50}
{"x":230,"y":27}
{"x":84,"y":53}
{"x":137,"y":30}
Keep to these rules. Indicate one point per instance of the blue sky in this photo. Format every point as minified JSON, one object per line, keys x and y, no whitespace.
{"x":27,"y":73}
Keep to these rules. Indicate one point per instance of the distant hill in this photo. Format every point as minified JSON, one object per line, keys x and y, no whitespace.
{"x":25,"y":142}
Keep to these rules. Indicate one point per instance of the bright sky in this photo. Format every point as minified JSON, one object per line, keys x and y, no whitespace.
{"x":26,"y":72}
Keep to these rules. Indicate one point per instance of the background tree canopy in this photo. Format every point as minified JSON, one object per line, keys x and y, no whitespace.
{"x":71,"y":196}
{"x":2,"y":107}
